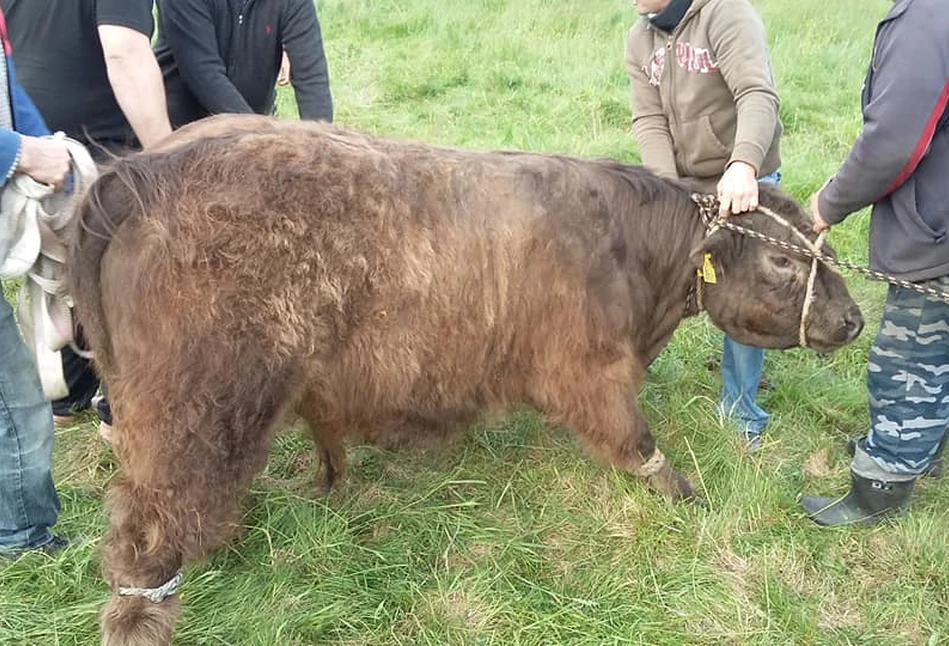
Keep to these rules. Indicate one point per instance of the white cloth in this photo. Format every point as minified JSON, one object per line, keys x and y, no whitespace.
{"x":33,"y":223}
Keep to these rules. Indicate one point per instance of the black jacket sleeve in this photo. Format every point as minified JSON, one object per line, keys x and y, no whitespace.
{"x":188,"y":28}
{"x":303,"y":43}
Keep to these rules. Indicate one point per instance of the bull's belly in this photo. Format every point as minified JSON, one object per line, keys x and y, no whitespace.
{"x":392,"y":403}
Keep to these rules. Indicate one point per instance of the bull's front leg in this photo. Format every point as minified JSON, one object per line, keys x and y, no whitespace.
{"x":640,"y":456}
{"x":611,"y":425}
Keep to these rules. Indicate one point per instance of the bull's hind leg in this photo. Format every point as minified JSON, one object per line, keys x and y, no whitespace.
{"x":601,"y":408}
{"x":329,"y":440}
{"x":188,"y":454}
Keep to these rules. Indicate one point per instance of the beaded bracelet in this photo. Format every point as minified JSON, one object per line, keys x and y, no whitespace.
{"x":16,"y":160}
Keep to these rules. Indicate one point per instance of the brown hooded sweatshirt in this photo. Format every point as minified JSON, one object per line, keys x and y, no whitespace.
{"x":703,"y":95}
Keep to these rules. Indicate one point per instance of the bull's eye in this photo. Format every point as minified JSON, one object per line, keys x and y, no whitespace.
{"x":781,"y":262}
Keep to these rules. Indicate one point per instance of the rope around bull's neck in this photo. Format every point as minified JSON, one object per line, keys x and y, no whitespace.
{"x":866,"y":272}
{"x":708,"y":207}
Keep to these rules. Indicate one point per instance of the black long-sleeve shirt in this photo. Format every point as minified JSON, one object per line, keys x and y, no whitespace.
{"x":219,"y":57}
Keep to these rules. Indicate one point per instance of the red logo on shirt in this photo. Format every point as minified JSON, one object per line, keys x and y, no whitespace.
{"x":3,"y":33}
{"x":269,"y":29}
{"x":696,"y":60}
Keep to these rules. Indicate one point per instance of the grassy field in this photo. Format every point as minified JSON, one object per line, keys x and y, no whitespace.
{"x":513,"y":535}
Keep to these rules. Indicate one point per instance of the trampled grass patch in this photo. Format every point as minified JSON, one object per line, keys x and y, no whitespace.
{"x":512,"y":535}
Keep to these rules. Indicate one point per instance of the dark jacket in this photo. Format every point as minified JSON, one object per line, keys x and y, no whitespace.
{"x":219,"y":58}
{"x":900,"y":161}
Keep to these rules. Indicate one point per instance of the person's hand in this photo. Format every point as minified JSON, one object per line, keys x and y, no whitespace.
{"x":283,"y":78}
{"x":738,"y":189}
{"x":819,"y":224}
{"x":45,"y":160}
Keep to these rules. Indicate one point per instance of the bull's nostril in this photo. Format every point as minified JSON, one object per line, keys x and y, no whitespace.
{"x":854,"y":325}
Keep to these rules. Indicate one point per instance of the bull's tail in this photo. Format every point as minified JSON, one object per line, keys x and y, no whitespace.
{"x":121,"y":192}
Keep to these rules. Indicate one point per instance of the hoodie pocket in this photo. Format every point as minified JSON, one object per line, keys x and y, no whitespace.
{"x":700,"y":150}
{"x":907,"y":207}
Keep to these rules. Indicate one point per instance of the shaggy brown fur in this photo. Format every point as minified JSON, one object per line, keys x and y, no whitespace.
{"x":251,"y":268}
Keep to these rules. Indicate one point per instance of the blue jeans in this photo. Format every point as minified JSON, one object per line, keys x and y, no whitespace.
{"x":741,"y":374}
{"x":907,"y":385}
{"x":29,"y":505}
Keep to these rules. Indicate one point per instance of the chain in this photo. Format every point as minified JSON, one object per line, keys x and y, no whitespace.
{"x":708,"y":206}
{"x":872,"y":274}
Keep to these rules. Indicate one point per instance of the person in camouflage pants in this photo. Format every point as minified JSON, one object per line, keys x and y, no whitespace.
{"x":899,"y":164}
{"x":908,"y":381}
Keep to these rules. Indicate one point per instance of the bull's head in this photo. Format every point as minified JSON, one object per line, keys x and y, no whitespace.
{"x":758,"y":292}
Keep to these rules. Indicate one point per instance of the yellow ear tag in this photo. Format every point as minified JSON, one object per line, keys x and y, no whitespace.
{"x":708,"y":270}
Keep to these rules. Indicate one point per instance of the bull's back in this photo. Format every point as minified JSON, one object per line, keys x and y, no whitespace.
{"x":391,"y":266}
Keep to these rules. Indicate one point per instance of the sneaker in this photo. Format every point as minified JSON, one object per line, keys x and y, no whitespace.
{"x":52,"y":547}
{"x":62,"y":421}
{"x":105,"y":432}
{"x":753,"y":441}
{"x":55,"y":545}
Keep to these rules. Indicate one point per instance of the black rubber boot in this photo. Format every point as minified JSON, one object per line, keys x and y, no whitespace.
{"x":936,"y":467}
{"x":867,"y":502}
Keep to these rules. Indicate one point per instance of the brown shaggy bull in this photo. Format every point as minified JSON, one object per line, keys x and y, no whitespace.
{"x":251,"y":268}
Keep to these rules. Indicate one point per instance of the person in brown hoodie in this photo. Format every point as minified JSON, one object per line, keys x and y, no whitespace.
{"x":705,"y":108}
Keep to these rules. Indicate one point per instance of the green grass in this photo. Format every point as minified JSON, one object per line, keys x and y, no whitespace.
{"x":514,"y":536}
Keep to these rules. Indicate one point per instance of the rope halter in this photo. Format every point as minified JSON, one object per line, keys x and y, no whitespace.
{"x":709,"y":209}
{"x":155,"y":595}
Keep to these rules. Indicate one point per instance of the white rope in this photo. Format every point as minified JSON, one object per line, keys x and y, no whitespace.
{"x":36,"y":217}
{"x":155,"y":595}
{"x":708,"y":207}
{"x":816,"y":249}
{"x":653,"y":465}
{"x":829,"y":261}
{"x":809,"y":294}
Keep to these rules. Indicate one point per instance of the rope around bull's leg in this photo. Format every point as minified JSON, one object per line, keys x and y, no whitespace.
{"x":157,"y":594}
{"x":653,"y":465}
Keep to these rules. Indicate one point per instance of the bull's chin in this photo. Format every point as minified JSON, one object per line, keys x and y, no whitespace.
{"x":767,"y":341}
{"x":785,"y":342}
{"x":824,"y":344}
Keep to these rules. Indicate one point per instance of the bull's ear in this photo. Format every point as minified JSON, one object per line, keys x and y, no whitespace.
{"x":720,"y":247}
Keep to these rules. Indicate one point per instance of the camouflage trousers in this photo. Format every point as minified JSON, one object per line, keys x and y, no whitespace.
{"x":908,"y":386}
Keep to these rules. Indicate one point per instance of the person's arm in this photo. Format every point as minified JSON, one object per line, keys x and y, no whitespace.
{"x":188,"y":28}
{"x":125,"y":29}
{"x":45,"y":160}
{"x":136,"y":82}
{"x":303,"y":42}
{"x":909,"y":91}
{"x":740,"y":47}
{"x":283,"y":77}
{"x":650,"y":125}
{"x":26,"y":115}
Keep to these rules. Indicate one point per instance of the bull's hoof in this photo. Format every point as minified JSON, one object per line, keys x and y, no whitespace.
{"x":135,"y":621}
{"x":685,"y":492}
{"x":334,"y":462}
{"x":674,"y":486}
